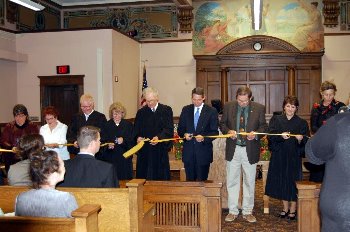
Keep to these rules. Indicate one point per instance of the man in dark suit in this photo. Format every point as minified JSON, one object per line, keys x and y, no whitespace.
{"x":153,"y":121}
{"x":86,"y":171}
{"x":88,"y":117}
{"x":242,"y":115}
{"x":198,"y":120}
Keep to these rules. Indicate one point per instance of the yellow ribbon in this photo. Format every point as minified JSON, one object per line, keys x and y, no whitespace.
{"x":136,"y":148}
{"x":4,"y":150}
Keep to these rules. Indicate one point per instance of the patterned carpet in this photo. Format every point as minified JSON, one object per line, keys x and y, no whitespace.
{"x":265,"y":222}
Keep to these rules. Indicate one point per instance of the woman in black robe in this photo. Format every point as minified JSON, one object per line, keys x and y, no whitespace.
{"x":320,"y":113}
{"x":118,"y":131}
{"x":285,"y":164}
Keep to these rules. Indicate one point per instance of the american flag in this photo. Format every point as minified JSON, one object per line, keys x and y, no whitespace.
{"x":144,"y":84}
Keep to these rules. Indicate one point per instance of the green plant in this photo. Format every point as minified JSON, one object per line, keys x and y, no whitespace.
{"x":265,"y":154}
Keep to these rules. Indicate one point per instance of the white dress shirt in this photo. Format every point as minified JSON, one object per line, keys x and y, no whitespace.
{"x":57,"y":135}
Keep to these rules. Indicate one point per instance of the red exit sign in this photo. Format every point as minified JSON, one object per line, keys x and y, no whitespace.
{"x":62,"y":69}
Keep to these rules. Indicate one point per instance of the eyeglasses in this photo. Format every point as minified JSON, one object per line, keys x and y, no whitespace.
{"x":85,"y":106}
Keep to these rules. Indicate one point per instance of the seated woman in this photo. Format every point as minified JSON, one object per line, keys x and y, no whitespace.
{"x":46,"y":170}
{"x":54,"y":132}
{"x":14,"y":130}
{"x":19,"y":172}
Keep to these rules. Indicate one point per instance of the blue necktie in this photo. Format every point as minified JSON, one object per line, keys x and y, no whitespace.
{"x":196,"y":117}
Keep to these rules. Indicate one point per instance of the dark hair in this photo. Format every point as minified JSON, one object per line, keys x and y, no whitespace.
{"x":86,"y":135}
{"x":293,"y":100}
{"x":244,"y":90}
{"x":198,"y":91}
{"x":19,"y":109}
{"x":29,"y":144}
{"x":328,"y":85}
{"x":42,"y":164}
{"x":50,"y":110}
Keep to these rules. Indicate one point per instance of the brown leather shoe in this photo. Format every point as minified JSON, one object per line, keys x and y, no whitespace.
{"x":249,"y":218}
{"x":230,"y":217}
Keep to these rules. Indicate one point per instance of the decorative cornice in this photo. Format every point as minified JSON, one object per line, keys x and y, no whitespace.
{"x":185,"y":18}
{"x":330,"y":12}
{"x":269,"y":45}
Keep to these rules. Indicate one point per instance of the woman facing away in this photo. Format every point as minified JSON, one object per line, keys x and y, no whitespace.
{"x":286,"y":154}
{"x":19,"y":172}
{"x":46,"y":170}
{"x":54,"y":133}
{"x":320,"y":113}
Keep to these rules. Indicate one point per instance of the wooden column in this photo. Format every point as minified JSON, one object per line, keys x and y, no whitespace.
{"x":291,"y":80}
{"x":308,"y":211}
{"x":224,"y":86}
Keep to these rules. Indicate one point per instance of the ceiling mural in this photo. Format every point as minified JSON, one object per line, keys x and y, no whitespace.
{"x":217,"y":24}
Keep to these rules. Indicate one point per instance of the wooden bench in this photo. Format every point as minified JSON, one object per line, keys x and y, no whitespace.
{"x":123,"y":209}
{"x":308,"y":209}
{"x":85,"y":219}
{"x":185,"y":206}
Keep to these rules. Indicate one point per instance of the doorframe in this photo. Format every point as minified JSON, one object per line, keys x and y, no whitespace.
{"x":59,"y":80}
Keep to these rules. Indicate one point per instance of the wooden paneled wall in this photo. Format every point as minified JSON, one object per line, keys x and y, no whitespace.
{"x":273,"y":72}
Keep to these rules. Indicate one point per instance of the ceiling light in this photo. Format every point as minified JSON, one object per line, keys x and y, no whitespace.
{"x":29,"y":4}
{"x":257,"y":5}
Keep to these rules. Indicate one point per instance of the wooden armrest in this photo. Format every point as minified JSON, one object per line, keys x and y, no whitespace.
{"x":86,"y":210}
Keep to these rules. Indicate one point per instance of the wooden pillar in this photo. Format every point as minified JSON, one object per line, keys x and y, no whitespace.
{"x":291,"y":80}
{"x":308,"y":211}
{"x":224,"y":86}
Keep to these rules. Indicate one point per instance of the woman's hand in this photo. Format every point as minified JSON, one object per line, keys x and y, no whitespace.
{"x":286,"y":135}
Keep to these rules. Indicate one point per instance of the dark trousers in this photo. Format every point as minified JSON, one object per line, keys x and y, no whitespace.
{"x":196,"y":172}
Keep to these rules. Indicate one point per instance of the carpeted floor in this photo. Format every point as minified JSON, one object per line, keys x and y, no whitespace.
{"x":265,"y":222}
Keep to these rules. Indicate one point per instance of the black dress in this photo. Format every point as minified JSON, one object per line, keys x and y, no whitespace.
{"x":319,"y":115}
{"x":115,"y":156}
{"x":285,"y":164}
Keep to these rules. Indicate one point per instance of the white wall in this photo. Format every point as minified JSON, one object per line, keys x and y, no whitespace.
{"x":171,"y":69}
{"x":87,"y":52}
{"x":126,"y":63}
{"x":336,"y":64}
{"x":8,"y":73}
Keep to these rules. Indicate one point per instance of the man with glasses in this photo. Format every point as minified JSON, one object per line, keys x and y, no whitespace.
{"x":242,"y":150}
{"x":153,"y":121}
{"x":87,"y":117}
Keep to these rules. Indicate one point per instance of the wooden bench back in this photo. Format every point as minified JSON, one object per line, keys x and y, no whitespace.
{"x":122,"y":208}
{"x":84,"y":220}
{"x":185,"y":206}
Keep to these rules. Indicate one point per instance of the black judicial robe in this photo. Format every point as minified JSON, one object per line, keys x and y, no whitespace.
{"x":95,"y":119}
{"x":115,"y":156}
{"x":286,"y":154}
{"x":153,"y":160}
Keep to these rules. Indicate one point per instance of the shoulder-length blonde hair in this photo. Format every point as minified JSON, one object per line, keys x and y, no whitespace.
{"x":117,"y":107}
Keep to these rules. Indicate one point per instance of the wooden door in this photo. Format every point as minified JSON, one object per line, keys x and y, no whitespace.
{"x":62,"y":92}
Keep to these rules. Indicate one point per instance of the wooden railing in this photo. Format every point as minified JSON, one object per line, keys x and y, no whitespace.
{"x":185,"y":206}
{"x":308,"y":209}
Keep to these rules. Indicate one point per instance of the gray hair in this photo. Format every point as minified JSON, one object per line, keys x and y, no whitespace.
{"x":150,"y":90}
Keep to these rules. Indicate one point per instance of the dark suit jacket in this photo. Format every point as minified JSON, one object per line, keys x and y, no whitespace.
{"x":87,"y":172}
{"x":95,"y":119}
{"x":256,"y":122}
{"x":207,"y":125}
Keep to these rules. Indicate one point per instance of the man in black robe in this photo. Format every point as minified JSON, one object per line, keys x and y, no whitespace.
{"x":153,"y":121}
{"x":87,"y":117}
